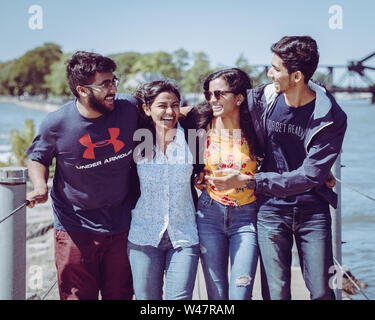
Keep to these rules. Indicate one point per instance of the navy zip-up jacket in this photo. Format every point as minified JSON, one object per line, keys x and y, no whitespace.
{"x":323,"y":142}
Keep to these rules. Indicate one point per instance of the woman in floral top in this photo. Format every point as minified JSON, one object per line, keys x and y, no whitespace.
{"x":227,"y":218}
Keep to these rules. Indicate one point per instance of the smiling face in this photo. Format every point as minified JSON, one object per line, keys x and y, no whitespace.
{"x":102,"y":99}
{"x":164,"y":110}
{"x":228,"y":103}
{"x":280,"y":76}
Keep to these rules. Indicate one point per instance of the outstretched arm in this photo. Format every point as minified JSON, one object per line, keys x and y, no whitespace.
{"x":38,"y":174}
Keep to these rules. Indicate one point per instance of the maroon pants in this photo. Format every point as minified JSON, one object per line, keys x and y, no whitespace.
{"x":89,"y":263}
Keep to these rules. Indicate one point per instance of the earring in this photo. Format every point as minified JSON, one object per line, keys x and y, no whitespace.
{"x":238,"y":103}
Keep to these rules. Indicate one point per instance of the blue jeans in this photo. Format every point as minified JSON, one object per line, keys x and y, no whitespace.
{"x":148,"y":265}
{"x":227,"y":232}
{"x":312,"y":234}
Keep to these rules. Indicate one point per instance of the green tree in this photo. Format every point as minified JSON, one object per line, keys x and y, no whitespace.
{"x":33,"y":66}
{"x":21,"y":141}
{"x":257,"y":77}
{"x":243,"y":64}
{"x":181,"y":60}
{"x":55,"y":82}
{"x":157,"y":62}
{"x":8,"y":84}
{"x":194,"y":77}
{"x":125,"y":62}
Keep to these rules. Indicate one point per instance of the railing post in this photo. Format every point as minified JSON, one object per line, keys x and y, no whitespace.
{"x":12,"y":234}
{"x":336,"y":226}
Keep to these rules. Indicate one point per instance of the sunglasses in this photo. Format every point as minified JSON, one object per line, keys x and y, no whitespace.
{"x":217,"y":93}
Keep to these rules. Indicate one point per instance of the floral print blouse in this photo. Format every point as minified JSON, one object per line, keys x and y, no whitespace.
{"x":229,"y":152}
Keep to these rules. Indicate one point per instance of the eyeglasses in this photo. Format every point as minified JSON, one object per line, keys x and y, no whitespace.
{"x":105,"y":85}
{"x":217,"y":93}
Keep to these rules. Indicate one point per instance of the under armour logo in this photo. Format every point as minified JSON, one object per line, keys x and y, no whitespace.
{"x":89,"y":152}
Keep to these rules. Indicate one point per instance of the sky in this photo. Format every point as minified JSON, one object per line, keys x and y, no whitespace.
{"x":222,"y":29}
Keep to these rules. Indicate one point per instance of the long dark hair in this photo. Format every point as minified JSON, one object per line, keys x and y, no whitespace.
{"x":239,"y":82}
{"x":146,"y":93}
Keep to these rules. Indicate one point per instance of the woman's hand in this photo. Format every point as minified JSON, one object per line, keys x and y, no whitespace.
{"x":331,"y":180}
{"x":231,"y":179}
{"x":199,"y":181}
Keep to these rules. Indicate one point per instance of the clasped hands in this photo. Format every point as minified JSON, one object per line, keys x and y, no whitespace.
{"x":228,"y":179}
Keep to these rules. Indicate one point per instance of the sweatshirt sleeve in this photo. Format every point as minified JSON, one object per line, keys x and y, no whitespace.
{"x":325,"y":148}
{"x":43,"y":147}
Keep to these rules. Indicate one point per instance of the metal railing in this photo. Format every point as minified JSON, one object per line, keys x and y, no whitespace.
{"x":13,"y":233}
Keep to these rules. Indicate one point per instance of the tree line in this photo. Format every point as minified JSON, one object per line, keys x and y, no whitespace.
{"x":42,"y":71}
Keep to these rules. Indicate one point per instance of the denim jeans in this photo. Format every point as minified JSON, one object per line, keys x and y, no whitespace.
{"x":227,"y":232}
{"x":312,"y":234}
{"x":148,"y":265}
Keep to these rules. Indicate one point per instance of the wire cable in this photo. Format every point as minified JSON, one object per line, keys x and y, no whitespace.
{"x":49,"y":290}
{"x":351,"y":280}
{"x":26,"y":203}
{"x":354,"y":189}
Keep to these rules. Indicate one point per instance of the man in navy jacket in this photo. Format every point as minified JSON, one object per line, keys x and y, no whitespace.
{"x":300,"y":129}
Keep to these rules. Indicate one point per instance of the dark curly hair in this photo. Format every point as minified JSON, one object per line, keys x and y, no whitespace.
{"x":239,"y":82}
{"x":82,"y":66}
{"x":298,"y":53}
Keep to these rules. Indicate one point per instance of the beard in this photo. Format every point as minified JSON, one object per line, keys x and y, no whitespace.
{"x":97,"y":105}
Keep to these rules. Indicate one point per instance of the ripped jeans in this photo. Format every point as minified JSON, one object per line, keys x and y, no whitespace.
{"x":227,"y":232}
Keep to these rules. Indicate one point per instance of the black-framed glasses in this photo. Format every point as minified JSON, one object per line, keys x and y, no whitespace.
{"x":105,"y":85}
{"x":217,"y":93}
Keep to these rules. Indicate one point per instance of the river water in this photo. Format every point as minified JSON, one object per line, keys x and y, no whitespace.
{"x":12,"y":117}
{"x":358,"y":157}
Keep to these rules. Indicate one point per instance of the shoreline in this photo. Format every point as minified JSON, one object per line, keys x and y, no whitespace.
{"x":30,"y":104}
{"x":44,"y":106}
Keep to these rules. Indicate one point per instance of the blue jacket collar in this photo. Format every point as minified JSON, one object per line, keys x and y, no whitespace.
{"x":322,"y":105}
